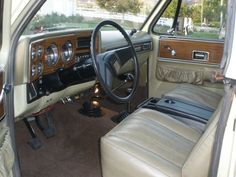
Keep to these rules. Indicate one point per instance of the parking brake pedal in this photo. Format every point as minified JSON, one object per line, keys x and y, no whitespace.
{"x":48,"y":130}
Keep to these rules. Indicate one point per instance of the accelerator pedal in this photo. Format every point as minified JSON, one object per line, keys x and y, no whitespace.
{"x":118,"y":118}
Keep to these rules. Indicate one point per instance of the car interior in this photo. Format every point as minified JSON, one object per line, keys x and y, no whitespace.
{"x":107,"y":102}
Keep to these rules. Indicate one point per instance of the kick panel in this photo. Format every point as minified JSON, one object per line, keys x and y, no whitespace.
{"x":209,"y":52}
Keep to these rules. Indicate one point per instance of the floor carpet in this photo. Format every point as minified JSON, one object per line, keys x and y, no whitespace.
{"x":73,"y":152}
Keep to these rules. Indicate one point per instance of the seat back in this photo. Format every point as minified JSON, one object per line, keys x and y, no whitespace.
{"x":198,"y":162}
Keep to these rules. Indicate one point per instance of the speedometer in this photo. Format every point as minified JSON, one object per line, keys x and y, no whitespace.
{"x":52,"y":55}
{"x":67,"y":51}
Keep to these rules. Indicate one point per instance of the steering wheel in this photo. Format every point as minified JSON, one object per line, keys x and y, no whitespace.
{"x":108,"y":65}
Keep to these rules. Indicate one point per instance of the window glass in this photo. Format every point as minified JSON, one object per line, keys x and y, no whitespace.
{"x":83,"y":14}
{"x":197,"y":19}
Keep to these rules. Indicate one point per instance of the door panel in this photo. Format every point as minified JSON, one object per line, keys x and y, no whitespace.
{"x":166,"y":71}
{"x":187,"y":46}
{"x":9,"y":164}
{"x":2,"y":112}
{"x":192,"y":50}
{"x":189,"y":61}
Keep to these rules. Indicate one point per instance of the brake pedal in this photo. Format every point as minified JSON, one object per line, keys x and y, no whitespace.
{"x":48,"y":130}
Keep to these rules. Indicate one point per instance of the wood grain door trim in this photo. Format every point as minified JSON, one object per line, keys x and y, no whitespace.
{"x":184,"y":49}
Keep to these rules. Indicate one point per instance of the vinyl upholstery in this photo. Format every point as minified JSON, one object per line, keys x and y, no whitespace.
{"x":196,"y":95}
{"x":152,"y":144}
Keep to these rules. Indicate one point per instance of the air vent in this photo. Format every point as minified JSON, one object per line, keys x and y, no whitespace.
{"x":83,"y":43}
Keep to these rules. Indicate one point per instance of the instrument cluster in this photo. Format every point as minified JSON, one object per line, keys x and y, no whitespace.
{"x":49,"y":54}
{"x":45,"y":58}
{"x":36,"y":54}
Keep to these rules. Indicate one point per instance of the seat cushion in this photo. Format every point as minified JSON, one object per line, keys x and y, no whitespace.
{"x":147,"y":143}
{"x":196,"y":95}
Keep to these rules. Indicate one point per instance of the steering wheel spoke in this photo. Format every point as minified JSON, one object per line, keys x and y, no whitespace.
{"x":105,"y":69}
{"x":124,"y":54}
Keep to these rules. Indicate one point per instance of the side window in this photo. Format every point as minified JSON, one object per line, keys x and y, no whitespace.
{"x":202,"y":19}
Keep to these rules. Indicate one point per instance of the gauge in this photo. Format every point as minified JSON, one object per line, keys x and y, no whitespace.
{"x":33,"y":70}
{"x":33,"y":53}
{"x":51,"y":55}
{"x":40,"y":52}
{"x":40,"y":68}
{"x":67,"y":51}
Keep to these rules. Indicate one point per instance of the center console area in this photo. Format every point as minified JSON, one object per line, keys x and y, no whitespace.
{"x":179,"y":108}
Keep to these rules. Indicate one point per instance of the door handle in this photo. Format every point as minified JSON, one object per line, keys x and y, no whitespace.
{"x":1,"y":95}
{"x":200,"y":55}
{"x":5,"y":89}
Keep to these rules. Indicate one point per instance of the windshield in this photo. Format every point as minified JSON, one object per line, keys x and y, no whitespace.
{"x":57,"y":15}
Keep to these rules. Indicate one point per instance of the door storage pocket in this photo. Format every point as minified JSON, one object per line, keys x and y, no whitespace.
{"x":6,"y":153}
{"x":179,"y":75}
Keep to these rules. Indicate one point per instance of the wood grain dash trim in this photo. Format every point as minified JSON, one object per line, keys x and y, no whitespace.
{"x":58,"y":41}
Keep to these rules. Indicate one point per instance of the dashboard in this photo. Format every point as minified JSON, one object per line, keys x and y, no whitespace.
{"x":53,"y":66}
{"x":59,"y":62}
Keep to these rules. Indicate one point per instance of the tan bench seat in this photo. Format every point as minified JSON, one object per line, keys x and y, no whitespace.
{"x":149,"y":143}
{"x":196,"y":95}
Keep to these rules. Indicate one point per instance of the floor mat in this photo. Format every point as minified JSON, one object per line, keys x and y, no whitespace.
{"x":73,"y":152}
